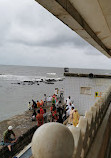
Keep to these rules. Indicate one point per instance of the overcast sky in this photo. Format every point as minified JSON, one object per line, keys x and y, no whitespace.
{"x":30,"y":35}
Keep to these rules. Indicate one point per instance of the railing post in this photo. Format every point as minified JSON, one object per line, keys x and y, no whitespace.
{"x":52,"y":140}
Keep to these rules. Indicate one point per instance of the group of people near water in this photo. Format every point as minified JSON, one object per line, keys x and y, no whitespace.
{"x":58,"y":112}
{"x":54,"y":114}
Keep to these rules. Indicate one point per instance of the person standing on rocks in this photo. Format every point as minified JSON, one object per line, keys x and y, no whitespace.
{"x":41,"y":110}
{"x":38,"y":104}
{"x":39,"y":118}
{"x":34,"y":104}
{"x":34,"y":115}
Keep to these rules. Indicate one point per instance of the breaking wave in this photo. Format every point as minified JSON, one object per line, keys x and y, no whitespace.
{"x":20,"y":78}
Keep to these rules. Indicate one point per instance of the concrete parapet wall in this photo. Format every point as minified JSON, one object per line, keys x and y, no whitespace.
{"x":106,"y":137}
{"x":22,"y":141}
{"x":99,"y":146}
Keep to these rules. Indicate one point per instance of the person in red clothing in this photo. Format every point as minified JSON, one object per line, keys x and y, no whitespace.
{"x":39,"y":118}
{"x":54,"y":114}
{"x":41,"y":103}
{"x":41,"y":110}
{"x":51,"y":108}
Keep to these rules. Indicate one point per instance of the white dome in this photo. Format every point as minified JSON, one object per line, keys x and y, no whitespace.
{"x":52,"y":140}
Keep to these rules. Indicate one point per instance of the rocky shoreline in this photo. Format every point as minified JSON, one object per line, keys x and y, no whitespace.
{"x":23,"y":127}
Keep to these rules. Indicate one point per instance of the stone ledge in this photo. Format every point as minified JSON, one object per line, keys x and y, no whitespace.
{"x":22,"y":141}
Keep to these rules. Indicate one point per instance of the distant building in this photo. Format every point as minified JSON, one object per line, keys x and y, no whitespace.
{"x":66,"y":69}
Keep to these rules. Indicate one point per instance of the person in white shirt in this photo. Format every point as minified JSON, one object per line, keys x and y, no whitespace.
{"x":68,"y":100}
{"x":68,"y":108}
{"x":49,"y":98}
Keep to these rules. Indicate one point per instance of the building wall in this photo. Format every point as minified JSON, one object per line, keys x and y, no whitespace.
{"x":84,"y":101}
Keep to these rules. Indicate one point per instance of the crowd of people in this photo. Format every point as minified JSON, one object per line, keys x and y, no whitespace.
{"x":57,"y":112}
{"x":40,"y":114}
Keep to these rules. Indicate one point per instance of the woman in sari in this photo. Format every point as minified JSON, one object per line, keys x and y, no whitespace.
{"x":75,"y":118}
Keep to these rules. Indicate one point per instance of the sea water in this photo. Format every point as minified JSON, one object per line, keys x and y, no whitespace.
{"x":15,"y":93}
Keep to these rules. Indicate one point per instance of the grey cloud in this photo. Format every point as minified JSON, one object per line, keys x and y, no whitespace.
{"x":25,"y":25}
{"x":59,"y":40}
{"x":30,"y":35}
{"x":91,"y":51}
{"x":64,"y":39}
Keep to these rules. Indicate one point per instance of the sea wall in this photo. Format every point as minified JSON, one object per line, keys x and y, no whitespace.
{"x":23,"y":127}
{"x":22,"y":141}
{"x":105,"y":150}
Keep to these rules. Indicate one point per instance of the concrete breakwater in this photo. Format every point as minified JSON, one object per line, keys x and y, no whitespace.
{"x":90,"y":75}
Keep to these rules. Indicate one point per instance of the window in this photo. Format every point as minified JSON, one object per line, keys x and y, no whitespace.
{"x":85,"y":90}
